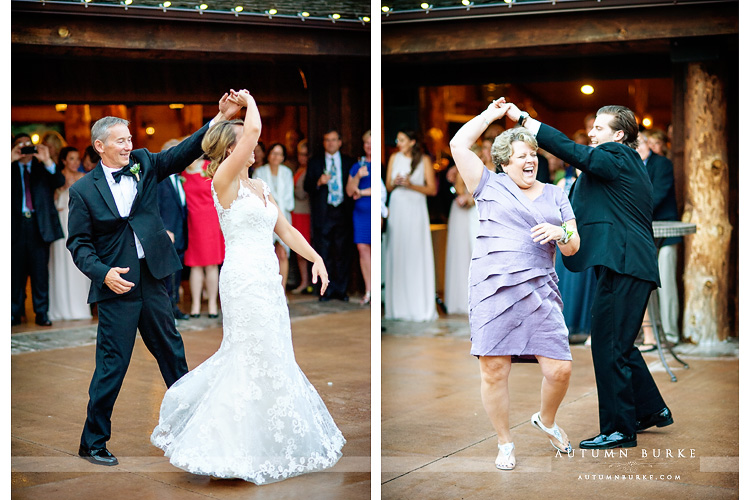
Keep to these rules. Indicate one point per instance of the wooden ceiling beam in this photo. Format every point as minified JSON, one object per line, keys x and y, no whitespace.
{"x":131,"y":37}
{"x":516,"y":35}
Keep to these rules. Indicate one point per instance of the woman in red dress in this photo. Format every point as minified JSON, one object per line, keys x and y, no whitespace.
{"x":205,"y":249}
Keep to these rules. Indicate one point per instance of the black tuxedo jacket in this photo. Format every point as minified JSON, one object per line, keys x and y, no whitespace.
{"x":173,"y":214}
{"x":661,"y":172}
{"x":613,"y":206}
{"x":42,"y":185}
{"x":319,"y":195}
{"x":99,"y":238}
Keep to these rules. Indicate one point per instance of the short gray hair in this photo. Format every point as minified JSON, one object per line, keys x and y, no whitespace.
{"x":100,"y":129}
{"x":502,"y":148}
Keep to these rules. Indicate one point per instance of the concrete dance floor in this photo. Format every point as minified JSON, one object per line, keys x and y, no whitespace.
{"x":438,"y":443}
{"x":51,"y":370}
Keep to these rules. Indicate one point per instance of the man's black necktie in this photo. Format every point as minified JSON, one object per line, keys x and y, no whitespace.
{"x":123,"y":171}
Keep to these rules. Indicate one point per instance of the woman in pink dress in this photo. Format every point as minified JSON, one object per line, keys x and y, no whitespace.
{"x":205,"y":249}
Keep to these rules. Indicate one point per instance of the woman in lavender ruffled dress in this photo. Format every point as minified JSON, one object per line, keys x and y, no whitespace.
{"x":515,"y":310}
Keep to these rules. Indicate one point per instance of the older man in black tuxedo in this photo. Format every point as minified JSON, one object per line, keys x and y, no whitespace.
{"x":118,"y":240}
{"x":331,"y":213}
{"x":34,"y":224}
{"x":612,"y":200}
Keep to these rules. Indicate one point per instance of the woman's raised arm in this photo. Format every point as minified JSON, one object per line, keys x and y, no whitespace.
{"x":468,"y":163}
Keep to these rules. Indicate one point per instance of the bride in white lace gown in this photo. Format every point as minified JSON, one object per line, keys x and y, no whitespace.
{"x":248,"y":411}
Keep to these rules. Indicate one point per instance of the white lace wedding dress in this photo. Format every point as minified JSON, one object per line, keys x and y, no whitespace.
{"x":248,"y":411}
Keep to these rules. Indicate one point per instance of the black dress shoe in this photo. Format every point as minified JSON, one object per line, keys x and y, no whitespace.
{"x":661,"y":418}
{"x":195,"y":315}
{"x":324,"y":298}
{"x":213,"y":316}
{"x":98,"y":456}
{"x":605,"y":442}
{"x":343,"y":298}
{"x":180,"y":315}
{"x":43,"y":320}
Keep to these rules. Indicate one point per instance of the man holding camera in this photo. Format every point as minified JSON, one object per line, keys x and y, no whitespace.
{"x":34,"y":225}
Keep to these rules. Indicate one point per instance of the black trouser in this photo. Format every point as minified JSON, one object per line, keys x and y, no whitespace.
{"x":147,"y":307}
{"x":333,"y":240}
{"x":29,"y":258}
{"x":173,"y":287}
{"x":625,"y":388}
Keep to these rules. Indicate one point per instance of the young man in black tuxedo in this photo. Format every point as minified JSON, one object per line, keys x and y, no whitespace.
{"x":612,"y":201}
{"x":118,"y":240}
{"x":34,"y":224}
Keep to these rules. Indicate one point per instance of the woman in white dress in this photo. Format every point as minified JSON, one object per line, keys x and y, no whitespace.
{"x":409,"y":262}
{"x":68,"y":286}
{"x":280,"y":180}
{"x":248,"y":411}
{"x":463,"y":226}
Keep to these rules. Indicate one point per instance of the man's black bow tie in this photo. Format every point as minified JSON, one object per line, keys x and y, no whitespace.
{"x":123,"y":171}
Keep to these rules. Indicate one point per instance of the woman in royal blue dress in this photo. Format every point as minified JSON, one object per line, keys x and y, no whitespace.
{"x":358,"y":187}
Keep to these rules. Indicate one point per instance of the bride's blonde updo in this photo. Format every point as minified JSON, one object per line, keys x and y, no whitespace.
{"x":217,"y":141}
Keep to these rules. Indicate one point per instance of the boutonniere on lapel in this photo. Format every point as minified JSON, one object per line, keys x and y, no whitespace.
{"x":135,"y":169}
{"x":182,"y":179}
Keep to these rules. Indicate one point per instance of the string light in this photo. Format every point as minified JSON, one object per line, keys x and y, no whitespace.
{"x":587,"y":89}
{"x":385,"y":9}
{"x":239,"y":8}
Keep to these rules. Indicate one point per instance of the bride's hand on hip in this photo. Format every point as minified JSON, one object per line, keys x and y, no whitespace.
{"x":319,"y":271}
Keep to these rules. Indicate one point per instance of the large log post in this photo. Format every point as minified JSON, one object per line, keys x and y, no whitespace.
{"x":706,"y":318}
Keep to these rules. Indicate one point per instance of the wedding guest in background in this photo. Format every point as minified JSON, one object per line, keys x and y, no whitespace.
{"x":68,"y":286}
{"x":280,"y":180}
{"x":89,"y":160}
{"x":658,"y":142}
{"x":463,"y":227}
{"x":291,"y":140}
{"x":409,"y":261}
{"x":54,"y":141}
{"x":661,"y":173}
{"x":576,"y":288}
{"x":205,"y":247}
{"x":34,"y":225}
{"x":173,"y":211}
{"x":301,"y":217}
{"x":260,"y":157}
{"x":331,"y":213}
{"x":359,"y":188}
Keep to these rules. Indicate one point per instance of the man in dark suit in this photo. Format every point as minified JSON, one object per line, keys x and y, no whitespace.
{"x":34,"y":225}
{"x":613,"y":206}
{"x":661,"y":172}
{"x":118,"y":240}
{"x":331,"y":213}
{"x":173,"y":211}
